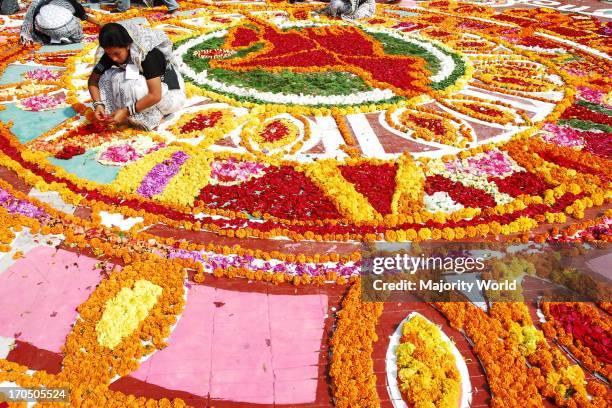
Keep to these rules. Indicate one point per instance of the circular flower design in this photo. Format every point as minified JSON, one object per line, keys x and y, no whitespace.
{"x":400,"y":127}
{"x":330,"y":64}
{"x":272,"y":135}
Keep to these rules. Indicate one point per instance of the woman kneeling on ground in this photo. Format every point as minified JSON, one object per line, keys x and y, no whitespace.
{"x":135,"y":81}
{"x":54,"y":22}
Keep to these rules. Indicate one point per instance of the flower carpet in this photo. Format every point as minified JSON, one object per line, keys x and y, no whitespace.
{"x":217,"y":260}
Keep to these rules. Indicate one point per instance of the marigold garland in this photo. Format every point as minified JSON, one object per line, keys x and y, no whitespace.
{"x":351,"y":370}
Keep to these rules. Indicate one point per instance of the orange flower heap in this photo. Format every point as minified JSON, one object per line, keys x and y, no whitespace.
{"x":352,"y":369}
{"x":426,"y":366}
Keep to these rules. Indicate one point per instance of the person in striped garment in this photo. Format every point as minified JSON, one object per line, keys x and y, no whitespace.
{"x":350,"y":9}
{"x":54,"y":22}
{"x":8,"y":7}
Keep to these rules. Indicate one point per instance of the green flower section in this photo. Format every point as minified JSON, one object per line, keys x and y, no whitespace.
{"x":595,"y":107}
{"x":320,"y":84}
{"x":586,"y":125}
{"x":395,"y":46}
{"x":328,"y":83}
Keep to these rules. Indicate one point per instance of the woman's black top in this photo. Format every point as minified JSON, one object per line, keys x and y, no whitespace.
{"x":153,"y":66}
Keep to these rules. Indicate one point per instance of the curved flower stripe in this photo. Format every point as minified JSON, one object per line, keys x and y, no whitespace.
{"x":353,"y":381}
{"x":485,"y":111}
{"x":517,"y":81}
{"x":595,"y":96}
{"x":506,"y":342}
{"x":350,"y":203}
{"x":130,"y":177}
{"x":409,"y":183}
{"x":30,"y":89}
{"x":15,"y":206}
{"x":193,"y":176}
{"x":427,"y":367}
{"x":123,"y":313}
{"x":160,"y":175}
{"x":16,"y":213}
{"x":434,"y":126}
{"x":254,"y":268}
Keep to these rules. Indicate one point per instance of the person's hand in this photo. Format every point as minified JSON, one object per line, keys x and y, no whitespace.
{"x":26,"y":41}
{"x":100,"y":114}
{"x":120,"y":116}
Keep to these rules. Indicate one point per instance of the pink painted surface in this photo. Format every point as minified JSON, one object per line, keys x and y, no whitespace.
{"x":253,"y":347}
{"x":39,"y":295}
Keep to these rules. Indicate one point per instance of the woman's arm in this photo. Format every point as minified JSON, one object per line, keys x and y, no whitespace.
{"x":92,"y":84}
{"x":150,"y":99}
{"x":94,"y":91}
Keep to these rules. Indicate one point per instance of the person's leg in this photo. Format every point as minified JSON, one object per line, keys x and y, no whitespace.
{"x":71,"y":32}
{"x":365,"y":10}
{"x":8,"y":7}
{"x":108,"y":91}
{"x":133,"y":90}
{"x":172,"y":100}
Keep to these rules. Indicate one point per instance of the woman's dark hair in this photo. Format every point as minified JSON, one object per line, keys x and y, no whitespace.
{"x":114,"y":35}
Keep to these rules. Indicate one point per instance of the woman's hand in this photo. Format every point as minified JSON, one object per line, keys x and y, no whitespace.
{"x":100,"y":113}
{"x":120,"y":116}
{"x":26,"y":41}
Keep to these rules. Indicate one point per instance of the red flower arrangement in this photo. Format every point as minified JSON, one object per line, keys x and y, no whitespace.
{"x":274,"y":131}
{"x":521,"y":182}
{"x":242,"y":37}
{"x":566,"y":162}
{"x":583,"y":330}
{"x":338,"y":48}
{"x":69,"y":151}
{"x":281,"y":192}
{"x":584,"y":113}
{"x":598,"y":143}
{"x":468,"y":196}
{"x":377,"y":183}
{"x":202,"y":121}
